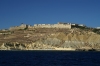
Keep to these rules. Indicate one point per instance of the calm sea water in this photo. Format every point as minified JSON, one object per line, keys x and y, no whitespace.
{"x":49,"y":58}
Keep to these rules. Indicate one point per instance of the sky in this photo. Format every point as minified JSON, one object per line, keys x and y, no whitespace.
{"x":15,"y":12}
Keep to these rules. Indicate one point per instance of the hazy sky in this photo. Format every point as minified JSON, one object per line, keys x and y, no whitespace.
{"x":15,"y":12}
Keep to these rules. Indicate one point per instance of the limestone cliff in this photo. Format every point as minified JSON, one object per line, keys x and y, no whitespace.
{"x":49,"y":38}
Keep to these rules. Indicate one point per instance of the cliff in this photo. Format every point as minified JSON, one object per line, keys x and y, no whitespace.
{"x":49,"y":39}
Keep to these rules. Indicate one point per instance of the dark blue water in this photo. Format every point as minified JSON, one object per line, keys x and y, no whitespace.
{"x":49,"y":58}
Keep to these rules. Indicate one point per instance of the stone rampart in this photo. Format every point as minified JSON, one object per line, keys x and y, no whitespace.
{"x":23,"y":26}
{"x":59,"y":25}
{"x":52,"y":26}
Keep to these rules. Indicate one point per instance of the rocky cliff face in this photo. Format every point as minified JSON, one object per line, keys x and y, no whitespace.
{"x":50,"y":39}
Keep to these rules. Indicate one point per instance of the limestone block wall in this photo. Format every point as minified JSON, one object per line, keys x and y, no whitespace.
{"x":14,"y":28}
{"x":62,"y":26}
{"x":23,"y":26}
{"x":18,"y":27}
{"x":52,"y":26}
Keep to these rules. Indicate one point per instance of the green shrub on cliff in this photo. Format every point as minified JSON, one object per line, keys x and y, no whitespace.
{"x":96,"y":31}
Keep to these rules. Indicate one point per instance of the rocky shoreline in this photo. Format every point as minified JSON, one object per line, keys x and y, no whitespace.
{"x":32,"y":47}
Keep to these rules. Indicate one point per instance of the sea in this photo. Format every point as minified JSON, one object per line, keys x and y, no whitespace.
{"x":49,"y":58}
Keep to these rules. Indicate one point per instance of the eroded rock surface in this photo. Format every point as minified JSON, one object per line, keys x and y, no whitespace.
{"x":46,"y":38}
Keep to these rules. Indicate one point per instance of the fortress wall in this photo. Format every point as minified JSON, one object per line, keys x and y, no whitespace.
{"x":62,"y":26}
{"x":23,"y":26}
{"x":53,"y":26}
{"x":30,"y":27}
{"x":14,"y":28}
{"x":18,"y":27}
{"x":43,"y":26}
